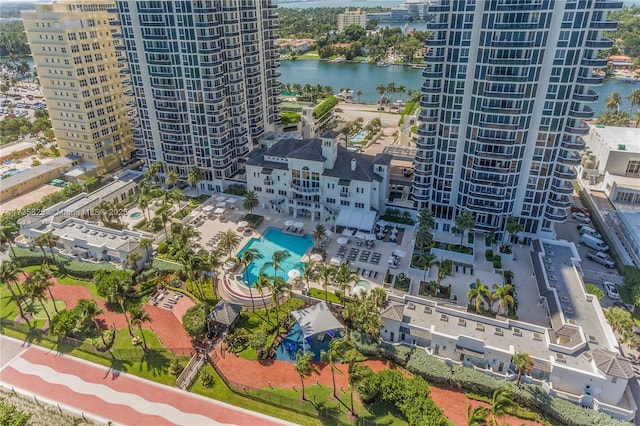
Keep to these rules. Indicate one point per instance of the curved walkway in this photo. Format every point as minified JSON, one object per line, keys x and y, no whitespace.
{"x":107,"y":395}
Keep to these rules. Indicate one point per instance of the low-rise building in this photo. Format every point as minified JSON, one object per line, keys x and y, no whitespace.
{"x":317,"y":177}
{"x":576,"y":357}
{"x":34,"y":177}
{"x":75,"y":223}
{"x":352,"y":17}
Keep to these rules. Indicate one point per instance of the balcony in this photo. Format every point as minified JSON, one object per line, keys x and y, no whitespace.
{"x":494,"y":155}
{"x":268,"y":182}
{"x":608,"y":5}
{"x":561,"y":188}
{"x":590,"y":96}
{"x":116,"y":35}
{"x":497,"y":110}
{"x":569,"y":159}
{"x":500,"y":94}
{"x":344,"y":195}
{"x":599,"y":44}
{"x":494,"y":125}
{"x":597,"y":62}
{"x":486,"y":195}
{"x":507,"y":77}
{"x":560,"y":204}
{"x":303,"y":190}
{"x":512,"y":43}
{"x":515,"y":25}
{"x":436,"y":43}
{"x":426,"y":132}
{"x":509,"y":61}
{"x":593,"y":80}
{"x":556,"y":217}
{"x":434,"y":59}
{"x":437,"y":26}
{"x":429,"y":104}
{"x":575,"y":145}
{"x":604,"y":25}
{"x":580,"y":131}
{"x":565,"y":175}
{"x":484,"y":208}
{"x":519,"y":7}
{"x":427,"y":73}
{"x":586,"y":113}
{"x":120,"y":47}
{"x":496,"y":141}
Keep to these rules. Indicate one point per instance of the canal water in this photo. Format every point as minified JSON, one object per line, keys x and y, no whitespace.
{"x":366,"y":77}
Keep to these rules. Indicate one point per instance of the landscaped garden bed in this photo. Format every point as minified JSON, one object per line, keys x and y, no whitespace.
{"x":432,"y":289}
{"x":453,"y":247}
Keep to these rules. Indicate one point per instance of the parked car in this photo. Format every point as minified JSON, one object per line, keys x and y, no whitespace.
{"x":576,"y":209}
{"x":581,"y":217}
{"x":611,"y":290}
{"x":584,"y":229}
{"x":601,"y":258}
{"x":593,"y":242}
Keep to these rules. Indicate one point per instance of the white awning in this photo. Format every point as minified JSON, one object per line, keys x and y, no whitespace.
{"x":316,"y":319}
{"x":356,"y":219}
{"x":208,"y":208}
{"x":219,"y":210}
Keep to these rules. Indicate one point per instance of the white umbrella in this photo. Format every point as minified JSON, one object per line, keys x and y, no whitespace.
{"x":328,"y":233}
{"x":382,"y":223}
{"x":208,"y":208}
{"x":220,"y":198}
{"x":342,"y":240}
{"x":347,"y":232}
{"x":231,"y":200}
{"x":219,"y":210}
{"x":293,"y":274}
{"x":360,"y":235}
{"x":369,"y":237}
{"x":399,"y":252}
{"x":288,"y":223}
{"x":242,"y":224}
{"x":221,"y":204}
{"x":298,"y":225}
{"x":316,"y":257}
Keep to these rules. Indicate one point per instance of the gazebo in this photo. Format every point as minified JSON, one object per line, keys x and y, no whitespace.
{"x":315,"y":320}
{"x":223,"y":316}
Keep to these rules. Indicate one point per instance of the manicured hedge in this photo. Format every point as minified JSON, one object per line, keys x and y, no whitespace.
{"x":326,"y":106}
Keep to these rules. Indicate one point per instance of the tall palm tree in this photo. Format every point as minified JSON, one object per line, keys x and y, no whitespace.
{"x":118,"y":294}
{"x":613,"y":101}
{"x":309,"y":272}
{"x":424,"y":241}
{"x":194,"y":176}
{"x":176,"y":197}
{"x":262,"y":283}
{"x":171,"y":178}
{"x":215,"y":261}
{"x":7,"y":234}
{"x":476,"y":296}
{"x":50,"y":240}
{"x":278,"y":287}
{"x":248,"y":257}
{"x":464,"y":221}
{"x":319,"y":234}
{"x":153,"y":170}
{"x":250,"y":201}
{"x":634,"y":98}
{"x":326,"y":272}
{"x":143,"y":203}
{"x":146,"y":244}
{"x":305,"y":368}
{"x":501,"y":402}
{"x":229,"y":241}
{"x":139,"y":316}
{"x":345,"y":277}
{"x":503,"y":294}
{"x":337,"y":350}
{"x":36,"y":289}
{"x":90,"y":311}
{"x":425,"y":218}
{"x":513,"y":227}
{"x":429,"y":261}
{"x":523,"y":363}
{"x":41,"y":241}
{"x":477,"y":416}
{"x":165,"y":218}
{"x":277,"y":258}
{"x":9,"y":276}
{"x":636,"y":118}
{"x":358,"y":94}
{"x":132,"y":260}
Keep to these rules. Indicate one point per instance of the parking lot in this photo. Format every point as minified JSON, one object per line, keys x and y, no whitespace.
{"x":25,"y":102}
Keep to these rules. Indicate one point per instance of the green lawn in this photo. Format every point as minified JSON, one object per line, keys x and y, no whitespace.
{"x":38,"y":312}
{"x":8,"y":308}
{"x":219,"y":391}
{"x":319,"y":294}
{"x":67,"y":279}
{"x":307,"y":56}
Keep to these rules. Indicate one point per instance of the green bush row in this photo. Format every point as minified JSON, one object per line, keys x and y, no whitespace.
{"x":75,"y":268}
{"x":326,"y":106}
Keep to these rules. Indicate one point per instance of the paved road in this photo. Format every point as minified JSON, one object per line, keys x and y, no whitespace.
{"x":107,"y":395}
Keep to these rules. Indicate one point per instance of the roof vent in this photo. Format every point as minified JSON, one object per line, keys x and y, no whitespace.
{"x":622,"y":147}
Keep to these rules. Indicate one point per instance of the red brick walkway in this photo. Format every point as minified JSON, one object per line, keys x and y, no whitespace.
{"x":281,"y":374}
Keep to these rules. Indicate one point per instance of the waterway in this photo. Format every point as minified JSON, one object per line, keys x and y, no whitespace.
{"x":366,"y":77}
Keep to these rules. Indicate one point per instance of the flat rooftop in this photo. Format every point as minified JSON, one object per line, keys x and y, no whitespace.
{"x":97,"y":236}
{"x":612,"y":137}
{"x":28,"y":174}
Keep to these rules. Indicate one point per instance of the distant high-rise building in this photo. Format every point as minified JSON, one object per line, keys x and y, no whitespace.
{"x":203,"y":76}
{"x":75,"y":57}
{"x":352,"y":17}
{"x":504,"y":104}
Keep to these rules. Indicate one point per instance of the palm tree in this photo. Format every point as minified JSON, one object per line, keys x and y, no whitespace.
{"x":478,"y":295}
{"x":503,"y":294}
{"x":327,"y":272}
{"x":513,"y":227}
{"x":7,"y":234}
{"x":138,"y":317}
{"x":176,"y":197}
{"x":194,"y":176}
{"x":424,"y":241}
{"x":523,"y":363}
{"x":381,"y":89}
{"x":464,"y":221}
{"x":636,"y":118}
{"x":41,"y":241}
{"x":345,"y":276}
{"x":153,"y":170}
{"x":358,"y":94}
{"x":305,"y":368}
{"x":500,"y":404}
{"x":36,"y":288}
{"x":143,"y":203}
{"x":171,"y":178}
{"x":634,"y":98}
{"x":309,"y":272}
{"x":90,"y":311}
{"x":229,"y":241}
{"x":619,"y":319}
{"x":425,"y":218}
{"x":319,"y":234}
{"x":613,"y":101}
{"x":477,"y":416}
{"x":337,"y":350}
{"x":118,"y":293}
{"x":277,"y":258}
{"x":278,"y":287}
{"x":215,"y":261}
{"x":132,"y":260}
{"x":250,"y":201}
{"x":248,"y":257}
{"x":146,"y":244}
{"x":50,"y":240}
{"x":429,"y":261}
{"x":262,"y":283}
{"x":9,"y":276}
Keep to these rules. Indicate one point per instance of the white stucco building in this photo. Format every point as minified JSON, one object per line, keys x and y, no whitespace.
{"x":352,"y":17}
{"x":576,"y":355}
{"x":317,"y":178}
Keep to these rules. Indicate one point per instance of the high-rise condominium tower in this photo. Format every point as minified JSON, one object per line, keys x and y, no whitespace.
{"x":204,"y":80}
{"x":75,"y":58}
{"x":504,"y":104}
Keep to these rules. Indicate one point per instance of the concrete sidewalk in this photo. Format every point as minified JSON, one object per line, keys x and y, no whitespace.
{"x":108,"y":395}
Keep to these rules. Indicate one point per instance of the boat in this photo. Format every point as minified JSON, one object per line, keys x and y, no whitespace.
{"x":337,"y":60}
{"x":383,"y":64}
{"x":416,"y":66}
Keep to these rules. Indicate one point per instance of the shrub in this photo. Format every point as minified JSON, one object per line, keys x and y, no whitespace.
{"x":206,"y":379}
{"x":488,"y":254}
{"x":326,"y":106}
{"x":593,"y":289}
{"x":163,"y":247}
{"x":175,"y":367}
{"x":497,"y":262}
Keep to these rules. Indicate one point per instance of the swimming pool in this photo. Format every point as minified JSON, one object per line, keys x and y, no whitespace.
{"x":135,"y":215}
{"x":359,"y":137}
{"x":271,"y":241}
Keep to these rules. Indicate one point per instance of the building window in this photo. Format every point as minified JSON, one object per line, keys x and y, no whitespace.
{"x":633,"y":168}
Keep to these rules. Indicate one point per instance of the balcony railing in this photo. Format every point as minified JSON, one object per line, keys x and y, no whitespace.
{"x":302,"y":189}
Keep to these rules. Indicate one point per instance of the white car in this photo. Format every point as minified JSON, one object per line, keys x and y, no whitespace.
{"x":581,"y":217}
{"x":611,"y":290}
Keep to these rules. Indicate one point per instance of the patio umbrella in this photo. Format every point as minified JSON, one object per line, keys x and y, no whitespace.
{"x":231,"y":200}
{"x":382,"y":223}
{"x":298,"y":225}
{"x":293,"y":274}
{"x":219,"y":210}
{"x":347,"y":232}
{"x":342,"y":240}
{"x":328,"y":233}
{"x":316,"y":257}
{"x":242,"y":223}
{"x":220,"y":198}
{"x":399,"y":253}
{"x":369,"y":237}
{"x":360,"y":235}
{"x":288,"y":223}
{"x":208,"y":208}
{"x":221,"y":204}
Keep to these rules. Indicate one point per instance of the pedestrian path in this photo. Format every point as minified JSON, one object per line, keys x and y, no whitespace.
{"x":106,"y":394}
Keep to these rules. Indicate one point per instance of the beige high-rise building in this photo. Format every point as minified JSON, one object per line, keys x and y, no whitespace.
{"x":77,"y":65}
{"x":352,"y":17}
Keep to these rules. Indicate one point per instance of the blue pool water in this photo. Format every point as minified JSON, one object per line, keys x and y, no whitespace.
{"x":359,"y":137}
{"x":293,"y":342}
{"x":272,"y":241}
